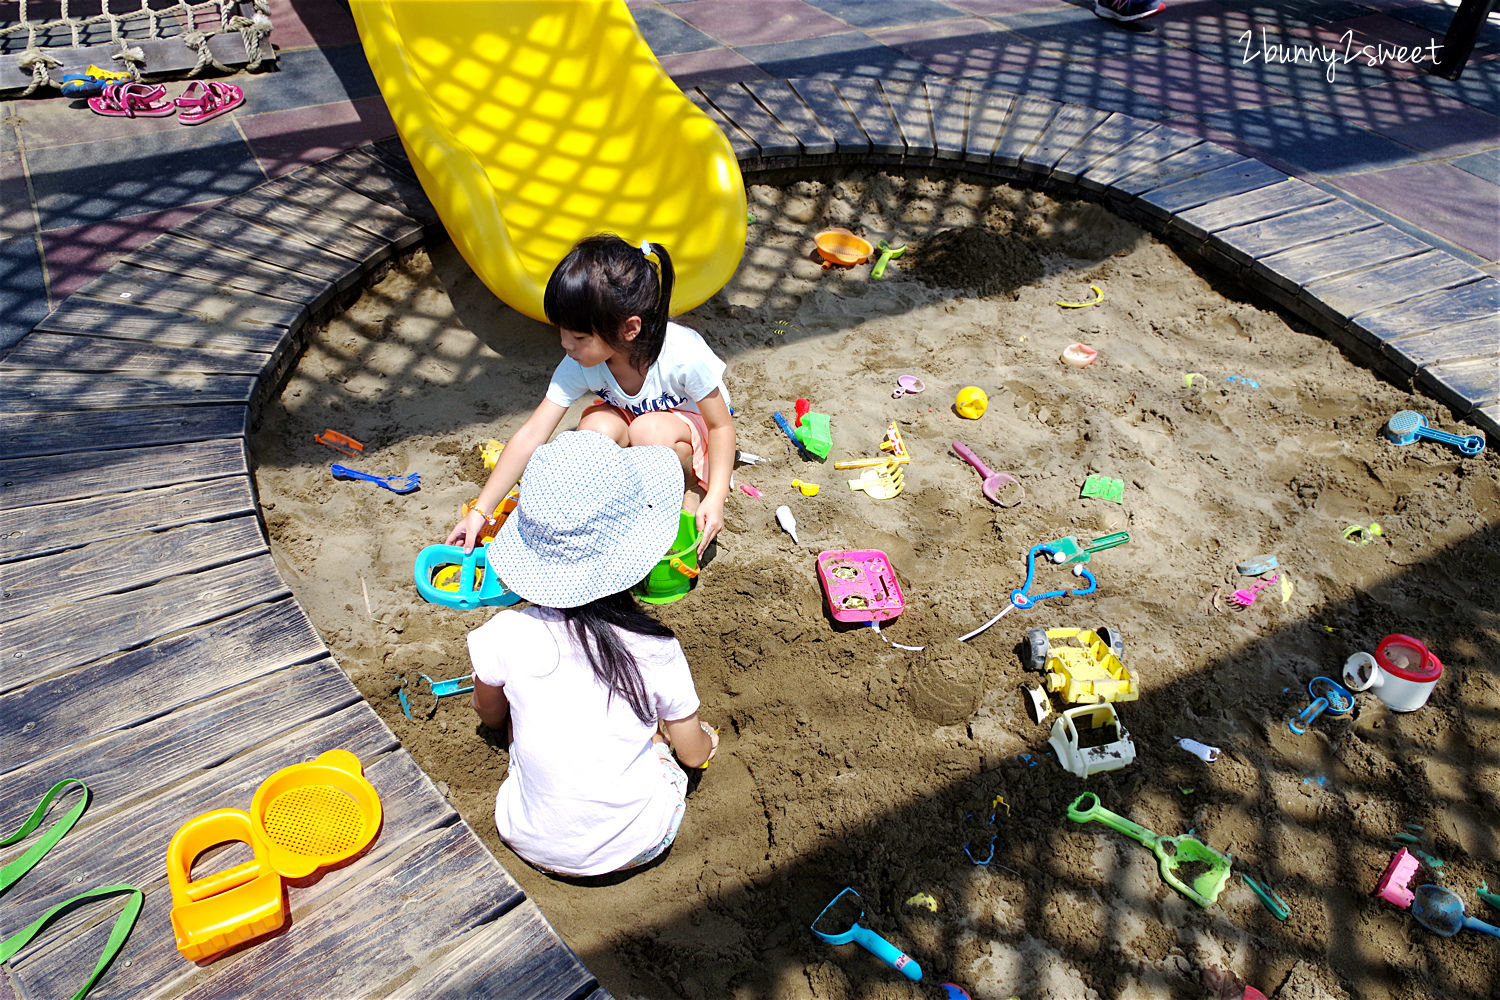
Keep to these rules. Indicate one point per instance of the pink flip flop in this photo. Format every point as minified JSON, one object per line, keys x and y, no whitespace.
{"x":211,"y":99}
{"x":132,"y":100}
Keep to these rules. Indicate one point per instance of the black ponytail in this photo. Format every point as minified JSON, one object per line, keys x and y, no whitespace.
{"x":596,"y":627}
{"x":602,"y":282}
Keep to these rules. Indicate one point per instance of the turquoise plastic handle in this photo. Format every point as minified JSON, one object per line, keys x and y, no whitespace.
{"x":1479,"y":925}
{"x":887,"y":953}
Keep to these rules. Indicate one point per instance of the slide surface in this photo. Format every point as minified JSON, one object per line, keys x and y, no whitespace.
{"x":534,"y":123}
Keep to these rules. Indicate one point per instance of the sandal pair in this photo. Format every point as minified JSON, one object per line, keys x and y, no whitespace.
{"x":202,"y":101}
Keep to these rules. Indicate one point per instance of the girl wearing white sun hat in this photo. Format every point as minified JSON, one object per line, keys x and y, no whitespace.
{"x":596,"y":692}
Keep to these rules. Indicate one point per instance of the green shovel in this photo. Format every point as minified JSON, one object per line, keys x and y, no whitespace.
{"x":1171,"y":852}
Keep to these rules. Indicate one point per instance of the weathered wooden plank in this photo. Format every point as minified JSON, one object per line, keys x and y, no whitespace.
{"x":1395,"y":281}
{"x":865,"y":100}
{"x":1451,"y":307}
{"x":272,"y":244}
{"x":1140,"y":152}
{"x":37,"y":392}
{"x":308,"y":224}
{"x":778,"y":97}
{"x":1190,"y":162}
{"x":1214,"y":185}
{"x":1112,"y":135}
{"x":392,"y":154}
{"x":822,"y":98}
{"x":189,"y":718}
{"x":1237,"y":210}
{"x":82,"y":315}
{"x":345,"y":206}
{"x":26,"y":481}
{"x":950,"y":117}
{"x":43,"y":528}
{"x":1460,"y":365}
{"x":1027,"y":123}
{"x":361,"y":170}
{"x":81,"y":353}
{"x":737,"y":105}
{"x":1243,"y":244}
{"x":908,"y":101}
{"x":412,"y":810}
{"x":73,"y":576}
{"x":1067,"y":129}
{"x":125,"y":840}
{"x":50,"y":642}
{"x":207,"y":303}
{"x":745,"y":149}
{"x":60,"y":433}
{"x":1466,"y":387}
{"x":163,"y":58}
{"x":989,"y":113}
{"x":536,"y":964}
{"x":176,"y":254}
{"x":1302,"y":265}
{"x":450,"y":880}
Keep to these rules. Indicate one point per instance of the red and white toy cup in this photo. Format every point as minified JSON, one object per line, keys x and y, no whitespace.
{"x":1402,"y":672}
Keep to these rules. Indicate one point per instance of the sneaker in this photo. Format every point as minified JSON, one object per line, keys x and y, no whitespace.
{"x":1127,"y":10}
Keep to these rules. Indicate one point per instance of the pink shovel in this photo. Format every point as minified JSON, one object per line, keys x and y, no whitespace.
{"x":998,"y":487}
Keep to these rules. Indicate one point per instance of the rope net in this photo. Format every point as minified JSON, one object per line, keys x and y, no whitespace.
{"x":76,"y":24}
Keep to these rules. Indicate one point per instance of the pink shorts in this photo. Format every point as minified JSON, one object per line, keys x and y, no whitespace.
{"x":697,"y":430}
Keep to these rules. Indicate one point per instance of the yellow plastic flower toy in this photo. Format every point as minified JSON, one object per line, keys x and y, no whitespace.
{"x":971,"y":402}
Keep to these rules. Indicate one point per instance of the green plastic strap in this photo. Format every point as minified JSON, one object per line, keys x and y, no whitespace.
{"x":13,"y":871}
{"x":124,"y":923}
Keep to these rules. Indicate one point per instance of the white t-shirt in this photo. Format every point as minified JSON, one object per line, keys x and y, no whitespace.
{"x":585,"y":793}
{"x":685,"y":371}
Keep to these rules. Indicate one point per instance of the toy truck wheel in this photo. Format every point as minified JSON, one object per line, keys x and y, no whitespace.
{"x":1111,"y":637}
{"x":1037,"y":649}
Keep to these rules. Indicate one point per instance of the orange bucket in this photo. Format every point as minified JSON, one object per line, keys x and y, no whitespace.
{"x":840,"y":246}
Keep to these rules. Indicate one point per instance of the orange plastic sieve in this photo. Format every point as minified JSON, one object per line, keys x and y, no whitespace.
{"x":309,"y":816}
{"x":840,"y":246}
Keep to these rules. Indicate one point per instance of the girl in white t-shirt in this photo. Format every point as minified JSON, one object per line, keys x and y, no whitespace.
{"x":658,"y":383}
{"x":595,"y":692}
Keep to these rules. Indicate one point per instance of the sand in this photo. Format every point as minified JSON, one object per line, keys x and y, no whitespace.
{"x":847,"y":761}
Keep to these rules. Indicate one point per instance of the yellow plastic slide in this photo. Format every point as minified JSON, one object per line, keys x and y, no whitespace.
{"x":534,"y":123}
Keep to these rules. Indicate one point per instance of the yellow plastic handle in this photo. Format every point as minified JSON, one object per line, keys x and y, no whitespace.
{"x":197,"y":835}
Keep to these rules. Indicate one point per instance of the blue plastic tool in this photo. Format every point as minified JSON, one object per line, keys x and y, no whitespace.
{"x":786,"y":427}
{"x":1406,"y":426}
{"x":1333,"y":698}
{"x":1055,"y":551}
{"x":438,"y":689}
{"x":396,"y":484}
{"x":469,"y":582}
{"x":868,"y":939}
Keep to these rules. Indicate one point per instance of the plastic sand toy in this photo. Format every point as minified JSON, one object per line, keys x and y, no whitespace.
{"x":888,"y":253}
{"x":839,"y":927}
{"x":1171,"y":852}
{"x":860,"y":585}
{"x":1328,"y":696}
{"x":971,"y":402}
{"x":436,"y":690}
{"x":1082,"y":665}
{"x":1084,"y":761}
{"x":881,"y":482}
{"x":447,"y":575}
{"x":1406,"y":426}
{"x":1441,"y":910}
{"x":839,"y":247}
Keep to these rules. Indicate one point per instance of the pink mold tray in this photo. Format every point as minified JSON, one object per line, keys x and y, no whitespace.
{"x":860,"y":585}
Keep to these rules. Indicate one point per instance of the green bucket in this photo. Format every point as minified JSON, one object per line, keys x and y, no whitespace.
{"x":673,"y":577}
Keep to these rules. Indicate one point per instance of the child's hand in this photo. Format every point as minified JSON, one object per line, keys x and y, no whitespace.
{"x":710,"y":521}
{"x":466,"y":531}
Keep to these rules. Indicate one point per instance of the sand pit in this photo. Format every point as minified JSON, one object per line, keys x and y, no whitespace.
{"x":849,"y":762}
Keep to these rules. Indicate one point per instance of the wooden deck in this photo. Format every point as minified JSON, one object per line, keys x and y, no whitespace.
{"x":151,"y":649}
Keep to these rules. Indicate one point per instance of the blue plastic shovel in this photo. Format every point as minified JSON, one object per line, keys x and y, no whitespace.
{"x":868,"y":939}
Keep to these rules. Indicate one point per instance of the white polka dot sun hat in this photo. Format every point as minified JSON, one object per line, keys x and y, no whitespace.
{"x":592,"y":520}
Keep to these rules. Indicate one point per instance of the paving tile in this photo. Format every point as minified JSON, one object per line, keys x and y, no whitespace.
{"x":1314,"y":140}
{"x":77,"y":255}
{"x":23,"y":296}
{"x":8,"y":139}
{"x":1478,"y":85}
{"x":1310,"y":62}
{"x":1436,"y":18}
{"x":309,"y":77}
{"x":1000,"y":8}
{"x":863,"y":14}
{"x":61,"y":121}
{"x":1187,"y":82}
{"x":668,"y":34}
{"x":1485,"y":165}
{"x":1297,"y":13}
{"x":286,"y":140}
{"x":1079,"y":34}
{"x":1419,"y":117}
{"x":16,"y":216}
{"x":831,"y":57}
{"x":1452,"y":203}
{"x":758,"y":23}
{"x":688,"y":69}
{"x":299,"y":24}
{"x":147,"y":173}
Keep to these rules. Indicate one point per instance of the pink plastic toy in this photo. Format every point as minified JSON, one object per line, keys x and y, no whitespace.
{"x":860,"y":585}
{"x":1393,"y":884}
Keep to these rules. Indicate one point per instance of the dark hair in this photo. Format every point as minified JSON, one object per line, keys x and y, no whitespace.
{"x":596,"y":626}
{"x":601,"y":283}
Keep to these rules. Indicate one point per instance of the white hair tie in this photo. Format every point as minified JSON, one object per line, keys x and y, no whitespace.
{"x":645,"y":248}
